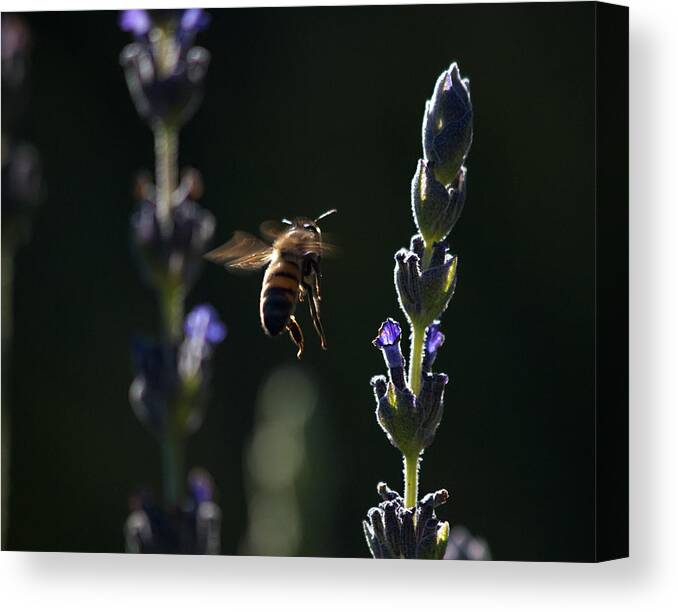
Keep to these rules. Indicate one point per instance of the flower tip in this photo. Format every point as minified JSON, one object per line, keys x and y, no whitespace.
{"x":401,"y":255}
{"x":441,"y":497}
{"x":389,"y":334}
{"x":194,"y":20}
{"x":380,"y":385}
{"x":448,"y":82}
{"x":443,"y":534}
{"x":136,"y":21}
{"x":377,"y":380}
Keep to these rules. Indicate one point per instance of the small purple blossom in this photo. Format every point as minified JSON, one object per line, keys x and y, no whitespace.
{"x":203,"y":323}
{"x":200,"y":485}
{"x":389,"y":334}
{"x":434,"y":337}
{"x":203,"y":330}
{"x":433,"y":341}
{"x":388,"y":340}
{"x":136,"y":21}
{"x":194,"y":20}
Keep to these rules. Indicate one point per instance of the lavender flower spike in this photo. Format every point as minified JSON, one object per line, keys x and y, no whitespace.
{"x":410,"y":409}
{"x":170,"y":232}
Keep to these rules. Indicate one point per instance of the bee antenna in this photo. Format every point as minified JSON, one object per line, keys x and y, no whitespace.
{"x":326,"y":214}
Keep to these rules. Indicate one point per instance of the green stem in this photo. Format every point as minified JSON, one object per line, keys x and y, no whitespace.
{"x":416,"y":357}
{"x":166,"y":143}
{"x":411,"y":469}
{"x":418,"y":336}
{"x":428,"y":253}
{"x":171,"y":296}
{"x":172,"y":467}
{"x":411,"y":460}
{"x":171,"y":293}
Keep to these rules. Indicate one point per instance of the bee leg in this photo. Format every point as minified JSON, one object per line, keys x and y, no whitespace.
{"x":317,"y":287}
{"x":314,"y":306}
{"x":316,"y":279}
{"x":296,"y":335}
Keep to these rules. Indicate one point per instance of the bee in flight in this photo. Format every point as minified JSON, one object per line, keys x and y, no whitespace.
{"x":293,"y":272}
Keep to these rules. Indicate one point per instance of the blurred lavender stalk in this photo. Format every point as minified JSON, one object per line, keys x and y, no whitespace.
{"x":170,"y":233}
{"x":410,"y":401}
{"x":22,"y":192}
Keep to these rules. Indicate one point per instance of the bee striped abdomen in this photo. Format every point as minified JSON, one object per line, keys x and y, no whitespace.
{"x":279,"y":294}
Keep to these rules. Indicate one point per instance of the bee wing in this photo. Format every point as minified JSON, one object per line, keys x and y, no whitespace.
{"x":272,"y":229}
{"x":321,"y":247}
{"x":242,"y":252}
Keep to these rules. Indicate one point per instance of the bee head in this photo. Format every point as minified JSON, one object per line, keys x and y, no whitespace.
{"x":306,"y":224}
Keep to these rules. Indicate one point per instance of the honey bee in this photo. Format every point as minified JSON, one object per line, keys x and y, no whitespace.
{"x":293,"y":273}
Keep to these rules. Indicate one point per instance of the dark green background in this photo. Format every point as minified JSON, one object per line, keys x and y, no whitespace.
{"x":305,"y":110}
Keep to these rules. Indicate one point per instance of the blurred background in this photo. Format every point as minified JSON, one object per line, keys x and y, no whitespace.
{"x":306,"y":110}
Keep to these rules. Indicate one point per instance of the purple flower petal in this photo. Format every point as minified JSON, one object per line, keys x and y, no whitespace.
{"x":434,"y":337}
{"x":203,"y":322}
{"x":200,"y":485}
{"x":136,"y":21}
{"x":389,"y":334}
{"x":194,"y":20}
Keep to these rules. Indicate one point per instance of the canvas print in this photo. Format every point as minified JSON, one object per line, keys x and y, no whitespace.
{"x":316,"y":281}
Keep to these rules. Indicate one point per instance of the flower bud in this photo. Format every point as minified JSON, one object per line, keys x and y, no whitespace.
{"x":393,"y":531}
{"x":429,"y":407}
{"x":436,"y":209}
{"x":175,"y":258}
{"x":417,"y":246}
{"x":410,"y":422}
{"x":155,"y":384}
{"x":192,"y":527}
{"x":447,"y":129}
{"x":396,"y":414}
{"x":424,"y":296}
